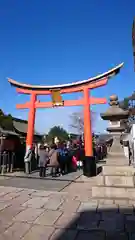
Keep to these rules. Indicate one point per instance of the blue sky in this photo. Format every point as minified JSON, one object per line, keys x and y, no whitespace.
{"x":52,"y":42}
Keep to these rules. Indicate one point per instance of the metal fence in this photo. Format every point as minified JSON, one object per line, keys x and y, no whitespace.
{"x":7,"y":162}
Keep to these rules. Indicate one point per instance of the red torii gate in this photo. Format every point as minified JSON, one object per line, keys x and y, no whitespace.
{"x":84,"y":86}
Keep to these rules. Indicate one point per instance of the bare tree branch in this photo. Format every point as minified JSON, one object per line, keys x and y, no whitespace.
{"x":77,"y":121}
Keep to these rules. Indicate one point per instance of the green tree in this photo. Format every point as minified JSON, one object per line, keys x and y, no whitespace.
{"x":59,"y":132}
{"x":126,"y":104}
{"x":1,"y":113}
{"x":6,"y":121}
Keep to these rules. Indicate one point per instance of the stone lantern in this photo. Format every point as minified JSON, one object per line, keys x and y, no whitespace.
{"x":115,"y":114}
{"x":117,"y":176}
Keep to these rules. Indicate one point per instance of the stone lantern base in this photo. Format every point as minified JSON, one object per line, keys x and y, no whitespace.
{"x":116,"y":154}
{"x":116,"y":183}
{"x":117,"y":177}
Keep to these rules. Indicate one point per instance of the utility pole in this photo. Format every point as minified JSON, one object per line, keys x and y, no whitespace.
{"x":133,"y":40}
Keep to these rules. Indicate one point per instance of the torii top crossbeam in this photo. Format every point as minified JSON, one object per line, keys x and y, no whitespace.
{"x":74,"y":87}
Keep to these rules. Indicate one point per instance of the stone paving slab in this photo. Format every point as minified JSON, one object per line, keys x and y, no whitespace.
{"x":8,"y":190}
{"x":40,"y":193}
{"x":10,"y":212}
{"x":67,"y":220}
{"x":107,"y":208}
{"x":118,"y":170}
{"x":38,"y":232}
{"x":60,"y":196}
{"x":81,"y":191}
{"x":119,"y":181}
{"x":10,"y":196}
{"x":28,"y":215}
{"x":112,"y":225}
{"x":119,"y":236}
{"x":91,"y":235}
{"x":130,"y":223}
{"x":71,"y":204}
{"x":98,"y":180}
{"x":4,"y":226}
{"x":36,"y":202}
{"x":6,"y":216}
{"x":15,"y":232}
{"x":19,"y":201}
{"x":59,"y":234}
{"x":122,"y":202}
{"x":59,"y":215}
{"x":48,"y":218}
{"x":111,"y":192}
{"x":88,"y":221}
{"x":126,"y":209}
{"x":83,"y":196}
{"x":3,"y":205}
{"x":106,"y":201}
{"x":88,"y":206}
{"x":111,"y":215}
{"x":53,"y":204}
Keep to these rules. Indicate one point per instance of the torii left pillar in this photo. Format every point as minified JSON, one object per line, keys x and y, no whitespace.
{"x":30,"y":130}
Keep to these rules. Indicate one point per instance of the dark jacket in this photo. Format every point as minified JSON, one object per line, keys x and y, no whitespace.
{"x":43,"y":158}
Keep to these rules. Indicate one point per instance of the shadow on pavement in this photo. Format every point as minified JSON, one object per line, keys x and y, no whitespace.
{"x":101,"y":223}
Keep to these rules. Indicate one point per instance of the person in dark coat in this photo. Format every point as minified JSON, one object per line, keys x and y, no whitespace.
{"x":43,"y":160}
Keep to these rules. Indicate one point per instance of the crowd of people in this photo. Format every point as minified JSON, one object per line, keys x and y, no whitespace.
{"x":60,"y":159}
{"x":64,"y":158}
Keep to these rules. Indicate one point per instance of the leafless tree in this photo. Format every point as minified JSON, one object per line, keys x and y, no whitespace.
{"x":77,"y":121}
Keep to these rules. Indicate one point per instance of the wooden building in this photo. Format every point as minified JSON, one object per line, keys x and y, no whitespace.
{"x":20,"y":127}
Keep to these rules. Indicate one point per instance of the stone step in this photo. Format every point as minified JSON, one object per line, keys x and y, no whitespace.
{"x":117,"y":162}
{"x":114,"y":163}
{"x":118,"y":170}
{"x":102,"y":192}
{"x":116,"y":155}
{"x":119,"y":181}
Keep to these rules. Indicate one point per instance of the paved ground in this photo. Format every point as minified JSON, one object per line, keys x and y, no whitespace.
{"x":68,"y":177}
{"x":38,"y":184}
{"x":30,"y":214}
{"x":32,"y":182}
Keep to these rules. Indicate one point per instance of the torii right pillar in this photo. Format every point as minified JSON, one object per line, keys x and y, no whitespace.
{"x":89,"y":164}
